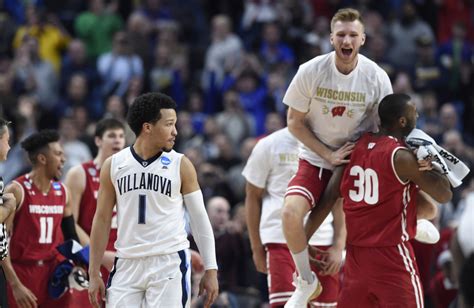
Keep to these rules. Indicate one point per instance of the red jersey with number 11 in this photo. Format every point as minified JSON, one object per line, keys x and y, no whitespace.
{"x":379,"y":208}
{"x":37,"y":225}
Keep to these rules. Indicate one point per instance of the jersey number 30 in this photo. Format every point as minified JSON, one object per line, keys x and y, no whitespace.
{"x":366,"y":184}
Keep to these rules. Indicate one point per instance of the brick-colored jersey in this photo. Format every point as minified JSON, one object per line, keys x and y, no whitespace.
{"x":379,"y":207}
{"x":89,"y":202}
{"x":37,"y":225}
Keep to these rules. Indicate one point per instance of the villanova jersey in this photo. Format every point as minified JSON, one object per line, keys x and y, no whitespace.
{"x":89,"y":203}
{"x":37,"y":224}
{"x":150,"y":208}
{"x":379,"y":208}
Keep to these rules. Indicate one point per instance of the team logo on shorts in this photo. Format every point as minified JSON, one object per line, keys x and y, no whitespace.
{"x":165,"y":161}
{"x":92,"y":172}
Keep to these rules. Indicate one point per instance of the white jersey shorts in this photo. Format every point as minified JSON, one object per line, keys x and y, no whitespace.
{"x":155,"y":281}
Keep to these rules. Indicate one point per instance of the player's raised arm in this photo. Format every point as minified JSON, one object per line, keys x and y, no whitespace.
{"x":202,"y":230}
{"x":100,"y":233}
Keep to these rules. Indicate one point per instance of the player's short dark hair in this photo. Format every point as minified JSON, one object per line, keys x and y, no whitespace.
{"x":391,"y":108}
{"x":38,"y":142}
{"x":146,"y":109}
{"x":107,"y":124}
{"x":3,"y":126}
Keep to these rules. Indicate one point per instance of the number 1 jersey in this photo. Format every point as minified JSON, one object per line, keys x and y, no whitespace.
{"x":150,"y":207}
{"x":37,"y":225}
{"x":379,"y":207}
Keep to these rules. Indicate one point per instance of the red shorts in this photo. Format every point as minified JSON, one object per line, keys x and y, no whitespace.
{"x":35,"y":276}
{"x":309,"y":182}
{"x":381,"y":277}
{"x":280,"y":277}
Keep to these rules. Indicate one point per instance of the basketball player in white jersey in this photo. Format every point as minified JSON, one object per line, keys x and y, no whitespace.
{"x":274,"y":160}
{"x":151,"y":183}
{"x":332,"y":100}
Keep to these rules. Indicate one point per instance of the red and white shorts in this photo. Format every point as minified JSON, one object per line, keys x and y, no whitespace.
{"x":309,"y":182}
{"x":281,"y":267}
{"x":381,"y":277}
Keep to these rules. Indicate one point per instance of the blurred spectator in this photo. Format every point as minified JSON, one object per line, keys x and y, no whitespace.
{"x":213,"y":183}
{"x":115,"y":108}
{"x":156,"y":11}
{"x":75,"y":61}
{"x":224,"y":53}
{"x":48,"y":31}
{"x":118,"y":67}
{"x":8,"y":26}
{"x":403,"y":84}
{"x":273,"y":122}
{"x":9,"y":99}
{"x":403,"y":34}
{"x":273,"y":51}
{"x":75,"y":151}
{"x":234,"y":175}
{"x":164,"y":77}
{"x":428,"y":119}
{"x":256,"y":14}
{"x":451,"y":12}
{"x":139,"y":31}
{"x":229,"y":246}
{"x":320,"y":34}
{"x":248,"y":81}
{"x":186,"y":133}
{"x":233,"y":120}
{"x":77,"y":94}
{"x":226,"y":157}
{"x":276,"y":88}
{"x":426,"y":74}
{"x":442,"y":288}
{"x":456,"y":56}
{"x":377,"y":51}
{"x":135,"y":88}
{"x":96,"y":27}
{"x":196,"y":108}
{"x":449,"y":118}
{"x":35,"y":76}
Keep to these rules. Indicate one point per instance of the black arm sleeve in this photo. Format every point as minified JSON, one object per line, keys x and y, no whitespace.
{"x":69,"y":228}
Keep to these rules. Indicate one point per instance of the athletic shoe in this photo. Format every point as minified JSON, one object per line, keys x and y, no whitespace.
{"x":304,"y":292}
{"x":426,"y":232}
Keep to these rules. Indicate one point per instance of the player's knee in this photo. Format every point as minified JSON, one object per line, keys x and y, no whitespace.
{"x":293,"y":211}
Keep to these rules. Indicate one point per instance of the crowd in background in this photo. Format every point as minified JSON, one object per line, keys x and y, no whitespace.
{"x":67,"y":64}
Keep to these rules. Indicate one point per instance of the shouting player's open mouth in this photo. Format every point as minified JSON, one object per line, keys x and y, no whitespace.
{"x":346,"y":51}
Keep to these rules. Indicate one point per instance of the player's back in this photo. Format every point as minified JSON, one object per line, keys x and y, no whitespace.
{"x":37,"y":224}
{"x":379,"y":207}
{"x":150,"y":208}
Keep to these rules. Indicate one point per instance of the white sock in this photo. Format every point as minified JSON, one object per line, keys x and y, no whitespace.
{"x":301,"y":260}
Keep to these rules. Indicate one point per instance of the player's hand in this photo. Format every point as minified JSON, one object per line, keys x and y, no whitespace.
{"x":340,"y":156}
{"x":96,"y":287}
{"x":259,"y":256}
{"x":317,"y":257}
{"x":210,"y":286}
{"x":23,"y":296}
{"x":333,"y":258}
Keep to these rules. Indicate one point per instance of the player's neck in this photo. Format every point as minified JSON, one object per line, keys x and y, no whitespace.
{"x":39,"y":178}
{"x":346,"y":68}
{"x":391,"y":132}
{"x":144,"y":149}
{"x":99,"y":159}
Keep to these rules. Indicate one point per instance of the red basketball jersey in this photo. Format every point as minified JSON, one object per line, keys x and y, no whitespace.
{"x":379,"y":208}
{"x":89,"y":203}
{"x":37,"y":225}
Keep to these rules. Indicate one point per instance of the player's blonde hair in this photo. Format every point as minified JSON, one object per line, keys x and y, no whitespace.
{"x":346,"y":14}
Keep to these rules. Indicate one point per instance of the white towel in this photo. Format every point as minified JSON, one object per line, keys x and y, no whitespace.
{"x":443,"y":161}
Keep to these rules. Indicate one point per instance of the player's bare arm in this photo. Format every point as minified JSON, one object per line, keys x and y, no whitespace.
{"x":299,"y":128}
{"x":23,"y":296}
{"x":100,"y":233}
{"x":76,"y":184}
{"x":426,"y":207}
{"x":202,"y":229}
{"x":8,"y":207}
{"x":326,"y":203}
{"x":253,"y":212}
{"x":433,"y":183}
